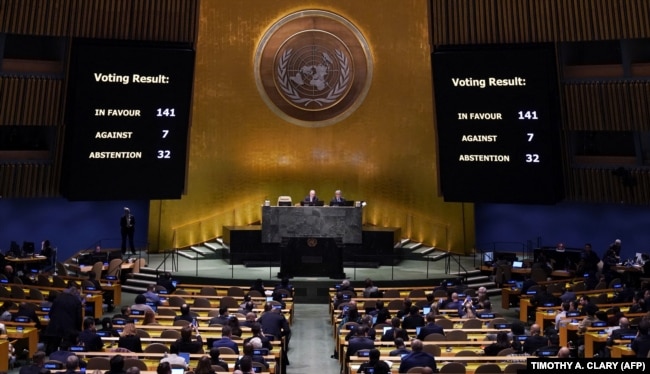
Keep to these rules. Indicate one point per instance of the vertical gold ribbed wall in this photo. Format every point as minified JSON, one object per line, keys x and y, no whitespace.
{"x":242,"y":153}
{"x":38,"y":98}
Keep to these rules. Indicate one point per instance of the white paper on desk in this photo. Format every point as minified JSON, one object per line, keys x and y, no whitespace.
{"x":389,"y":363}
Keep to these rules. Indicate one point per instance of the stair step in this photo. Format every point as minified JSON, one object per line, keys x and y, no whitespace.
{"x":148,"y":270}
{"x":403,"y":242}
{"x":425,"y":250}
{"x":361,"y":264}
{"x":412,"y":245}
{"x":138,"y":282}
{"x":188,"y":254}
{"x":479,"y":278}
{"x":493,"y":291}
{"x":482,"y":284}
{"x":436,"y":256}
{"x":202,"y":250}
{"x":468,"y":273}
{"x":133,"y":289}
{"x":147,"y":276}
{"x":220,"y":241}
{"x":214,"y":246}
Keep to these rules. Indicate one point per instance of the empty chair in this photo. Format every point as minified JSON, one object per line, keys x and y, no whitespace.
{"x":437,"y":294}
{"x":391,"y":293}
{"x":488,"y":369}
{"x":473,"y":324}
{"x":434,"y":337}
{"x":218,"y":368}
{"x":538,"y":274}
{"x":213,"y":313}
{"x":208,"y":291}
{"x":470,"y":292}
{"x":157,"y":347}
{"x":35,"y":294}
{"x":432,"y":349}
{"x":58,"y":282}
{"x":255,"y":293}
{"x":5,"y":293}
{"x":395,"y":305}
{"x":415,"y":370}
{"x":17,"y":280}
{"x":97,"y":268}
{"x":142,"y":333}
{"x":98,"y":363}
{"x":514,"y":368}
{"x":578,"y":287}
{"x":226,"y":351}
{"x":43,"y":280}
{"x":166,"y":312}
{"x":236,"y":291}
{"x":85,"y":284}
{"x":467,"y":353}
{"x":601,"y":285}
{"x":497,"y":321}
{"x":601,"y":299}
{"x":201,"y":302}
{"x":17,"y":292}
{"x":445,"y":323}
{"x":380,"y":326}
{"x":506,"y":352}
{"x":159,"y":288}
{"x":228,"y":302}
{"x":131,"y":362}
{"x":114,"y":268}
{"x":137,"y":265}
{"x":554,"y":289}
{"x":61,"y":269}
{"x":421,"y":303}
{"x":170,"y":334}
{"x":181,"y":322}
{"x":175,"y":301}
{"x":180,"y":291}
{"x":417,"y":293}
{"x":283,"y":291}
{"x":453,"y":368}
{"x":456,"y":335}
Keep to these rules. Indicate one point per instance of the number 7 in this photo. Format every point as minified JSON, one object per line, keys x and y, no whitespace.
{"x":530,"y":136}
{"x":165,"y":132}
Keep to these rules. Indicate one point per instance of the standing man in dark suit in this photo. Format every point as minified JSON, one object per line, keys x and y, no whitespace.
{"x":311,"y":199}
{"x":417,"y":358}
{"x":337,"y":200}
{"x":65,"y":316}
{"x":127,"y":228}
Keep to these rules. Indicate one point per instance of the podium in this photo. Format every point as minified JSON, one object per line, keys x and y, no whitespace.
{"x":311,"y":238}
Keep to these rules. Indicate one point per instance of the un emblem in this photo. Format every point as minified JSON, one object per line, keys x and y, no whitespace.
{"x":313,"y":68}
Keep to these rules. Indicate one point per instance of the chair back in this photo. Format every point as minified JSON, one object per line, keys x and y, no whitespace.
{"x":170,"y":334}
{"x":201,"y":302}
{"x":415,"y":370}
{"x":456,"y":335}
{"x":236,"y":291}
{"x":445,"y":323}
{"x":473,"y":324}
{"x":175,"y":301}
{"x":228,"y":302}
{"x":131,"y":362}
{"x":142,"y":333}
{"x":417,"y":293}
{"x":157,"y":347}
{"x":488,"y":368}
{"x":434,"y":337}
{"x":166,"y":312}
{"x":453,"y":368}
{"x":57,"y":281}
{"x":98,"y":267}
{"x":208,"y":291}
{"x":17,"y":292}
{"x":391,"y":294}
{"x":43,"y":280}
{"x":35,"y":294}
{"x":514,"y":368}
{"x":181,"y":322}
{"x":115,"y":267}
{"x":506,"y":352}
{"x":226,"y":351}
{"x":432,"y":349}
{"x":98,"y":363}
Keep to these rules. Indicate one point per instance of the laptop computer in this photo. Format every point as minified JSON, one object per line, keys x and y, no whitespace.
{"x":517,"y":264}
{"x":426,"y":310}
{"x":186,"y":356}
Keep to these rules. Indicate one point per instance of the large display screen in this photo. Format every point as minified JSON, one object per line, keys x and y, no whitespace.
{"x":498,"y":124}
{"x":127,"y":120}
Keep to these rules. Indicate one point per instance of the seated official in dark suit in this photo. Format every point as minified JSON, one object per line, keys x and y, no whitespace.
{"x":359,"y":341}
{"x":311,"y":199}
{"x":535,"y":340}
{"x":337,"y":200}
{"x":430,"y":327}
{"x":417,"y":358}
{"x":185,"y":342}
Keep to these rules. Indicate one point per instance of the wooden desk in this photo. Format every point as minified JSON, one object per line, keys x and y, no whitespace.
{"x":4,"y":353}
{"x":542,"y":317}
{"x":29,"y":333}
{"x":25,"y":260}
{"x":619,"y":351}
{"x":506,"y":293}
{"x":591,"y":338}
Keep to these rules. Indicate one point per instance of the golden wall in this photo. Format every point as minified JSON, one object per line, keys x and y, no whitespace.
{"x":242,"y":153}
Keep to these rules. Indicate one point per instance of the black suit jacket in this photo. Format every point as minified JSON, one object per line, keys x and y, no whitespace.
{"x":430,"y":328}
{"x":357,"y":343}
{"x":412,"y":321}
{"x":127,"y":226}
{"x":418,"y":359}
{"x":334,"y":202}
{"x":533,"y":342}
{"x":274,"y":324}
{"x":306,"y":201}
{"x":91,"y":341}
{"x":65,"y":315}
{"x":616,"y":335}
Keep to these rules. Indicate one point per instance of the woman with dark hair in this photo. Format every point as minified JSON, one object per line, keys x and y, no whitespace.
{"x":107,"y":325}
{"x":204,"y":366}
{"x":233,"y":322}
{"x":502,"y":343}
